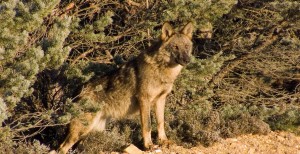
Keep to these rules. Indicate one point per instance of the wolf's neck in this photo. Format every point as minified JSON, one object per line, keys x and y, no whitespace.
{"x":158,"y":59}
{"x":161,"y":61}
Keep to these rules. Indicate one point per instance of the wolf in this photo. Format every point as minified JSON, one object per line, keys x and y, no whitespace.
{"x":138,"y":85}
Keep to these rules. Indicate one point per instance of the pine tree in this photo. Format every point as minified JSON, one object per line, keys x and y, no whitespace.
{"x":27,"y":47}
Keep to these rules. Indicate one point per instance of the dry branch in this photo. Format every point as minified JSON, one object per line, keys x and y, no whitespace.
{"x":84,"y":54}
{"x":234,"y":63}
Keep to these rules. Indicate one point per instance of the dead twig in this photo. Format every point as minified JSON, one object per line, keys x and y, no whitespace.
{"x":132,"y":3}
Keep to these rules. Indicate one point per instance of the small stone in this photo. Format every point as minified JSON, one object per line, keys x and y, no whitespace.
{"x":280,"y":138}
{"x":157,"y":151}
{"x":251,"y":151}
{"x":234,"y":139}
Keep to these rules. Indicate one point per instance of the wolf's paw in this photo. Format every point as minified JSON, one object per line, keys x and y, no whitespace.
{"x":154,"y":149}
{"x":166,"y":143}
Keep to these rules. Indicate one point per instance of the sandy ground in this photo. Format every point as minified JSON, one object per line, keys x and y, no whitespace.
{"x":273,"y":143}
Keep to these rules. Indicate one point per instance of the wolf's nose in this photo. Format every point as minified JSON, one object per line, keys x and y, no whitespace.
{"x":186,"y":59}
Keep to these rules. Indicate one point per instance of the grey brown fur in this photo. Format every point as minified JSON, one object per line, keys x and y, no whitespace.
{"x":136,"y":86}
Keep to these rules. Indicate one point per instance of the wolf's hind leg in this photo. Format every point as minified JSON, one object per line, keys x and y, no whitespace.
{"x":80,"y":127}
{"x":100,"y":126}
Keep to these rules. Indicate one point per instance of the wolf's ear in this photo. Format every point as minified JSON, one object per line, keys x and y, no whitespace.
{"x":188,"y":30}
{"x":166,"y":31}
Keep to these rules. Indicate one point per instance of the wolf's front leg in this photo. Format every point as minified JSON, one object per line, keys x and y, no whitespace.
{"x":159,"y":111}
{"x":146,"y":123}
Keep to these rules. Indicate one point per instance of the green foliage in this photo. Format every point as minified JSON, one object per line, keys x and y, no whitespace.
{"x":199,"y":12}
{"x":94,"y":32}
{"x":27,"y":48}
{"x":53,"y":45}
{"x":200,"y":71}
{"x":288,"y":121}
{"x":23,"y":57}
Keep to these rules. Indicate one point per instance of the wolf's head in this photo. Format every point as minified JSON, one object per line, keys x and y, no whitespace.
{"x":177,"y":44}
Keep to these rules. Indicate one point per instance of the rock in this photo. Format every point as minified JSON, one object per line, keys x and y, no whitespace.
{"x":53,"y":152}
{"x":132,"y":149}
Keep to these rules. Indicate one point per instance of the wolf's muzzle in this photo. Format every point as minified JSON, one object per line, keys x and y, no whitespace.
{"x":183,"y":59}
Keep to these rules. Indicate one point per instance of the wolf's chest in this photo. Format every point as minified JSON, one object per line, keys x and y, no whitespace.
{"x":169,"y":75}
